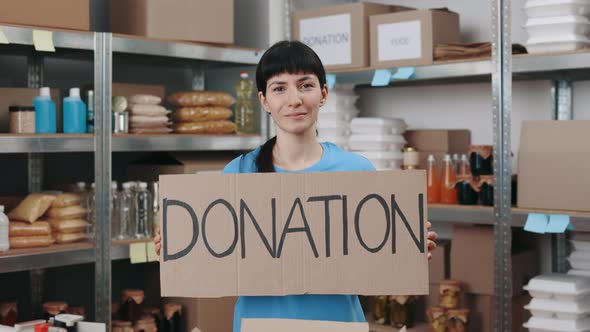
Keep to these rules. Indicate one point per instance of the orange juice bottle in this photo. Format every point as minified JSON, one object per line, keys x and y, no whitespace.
{"x":448,"y":192}
{"x":433,"y":181}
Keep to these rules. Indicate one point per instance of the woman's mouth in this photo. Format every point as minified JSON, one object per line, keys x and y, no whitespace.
{"x":297,"y":115}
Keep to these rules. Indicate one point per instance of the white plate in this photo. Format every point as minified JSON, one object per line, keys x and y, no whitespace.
{"x":562,"y":44}
{"x":558,"y":286}
{"x":580,"y":245}
{"x":558,"y":309}
{"x":559,"y":325}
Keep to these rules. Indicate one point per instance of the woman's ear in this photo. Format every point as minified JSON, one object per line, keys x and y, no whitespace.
{"x":324,"y":95}
{"x":263,"y":101}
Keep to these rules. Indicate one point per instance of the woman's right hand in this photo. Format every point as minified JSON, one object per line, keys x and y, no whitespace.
{"x":158,"y":241}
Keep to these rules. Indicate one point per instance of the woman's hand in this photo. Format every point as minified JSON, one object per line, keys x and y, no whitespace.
{"x":158,"y":242}
{"x":431,"y":237}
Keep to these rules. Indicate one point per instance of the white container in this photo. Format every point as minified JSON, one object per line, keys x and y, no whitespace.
{"x":376,"y":126}
{"x":538,"y":324}
{"x":383,"y":160}
{"x":333,"y":128}
{"x":557,"y":26}
{"x":4,"y":241}
{"x":564,"y":43}
{"x":544,"y":308}
{"x":580,"y":245}
{"x":359,"y":142}
{"x":580,"y":260}
{"x":543,"y":8}
{"x":581,"y":273}
{"x":340,"y":141}
{"x":558,"y":286}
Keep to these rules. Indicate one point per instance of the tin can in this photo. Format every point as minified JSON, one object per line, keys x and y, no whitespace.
{"x":120,"y":122}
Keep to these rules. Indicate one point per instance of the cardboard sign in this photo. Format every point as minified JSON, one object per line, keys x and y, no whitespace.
{"x":294,"y":233}
{"x":297,"y":325}
{"x":329,"y":37}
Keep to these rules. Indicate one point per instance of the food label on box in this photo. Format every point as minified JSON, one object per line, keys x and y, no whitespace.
{"x":329,"y":37}
{"x":399,"y":41}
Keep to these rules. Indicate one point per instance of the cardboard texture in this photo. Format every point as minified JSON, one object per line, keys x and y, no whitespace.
{"x":481,"y":315}
{"x":339,"y":34}
{"x":475,"y":268}
{"x":296,"y":325}
{"x":188,"y":20}
{"x":66,"y":14}
{"x":553,"y":164}
{"x":152,"y":166}
{"x":438,"y":268}
{"x":208,"y":315}
{"x":439,"y":140}
{"x":408,"y":38}
{"x":326,"y":225}
{"x":24,"y":97}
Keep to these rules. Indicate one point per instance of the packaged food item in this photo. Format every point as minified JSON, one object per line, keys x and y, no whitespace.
{"x":448,"y":191}
{"x":144,"y":99}
{"x":450,"y":293}
{"x":148,"y":110}
{"x":65,"y":200}
{"x":145,"y":324}
{"x":52,"y":309}
{"x":119,"y":104}
{"x":201,"y":98}
{"x":31,"y":241}
{"x":120,"y":122}
{"x":32,"y":207}
{"x":402,"y":311}
{"x":22,"y":119}
{"x":67,"y":226}
{"x":381,"y":309}
{"x":122,"y":326}
{"x":433,"y":181}
{"x":172,"y":315}
{"x":156,"y":314}
{"x":481,"y":160}
{"x":20,"y":228}
{"x":486,"y":190}
{"x":411,"y":158}
{"x":457,"y":320}
{"x":140,"y":121}
{"x":207,"y":127}
{"x":69,"y":237}
{"x":151,"y":131}
{"x":70,"y":212}
{"x":196,"y":114}
{"x":437,"y":319}
{"x":8,"y":313}
{"x":77,"y":310}
{"x":132,"y":301}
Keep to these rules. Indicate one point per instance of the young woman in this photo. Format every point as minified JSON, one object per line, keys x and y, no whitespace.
{"x":291,"y":84}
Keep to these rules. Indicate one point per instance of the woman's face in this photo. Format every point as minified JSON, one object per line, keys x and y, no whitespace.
{"x":293,"y":100}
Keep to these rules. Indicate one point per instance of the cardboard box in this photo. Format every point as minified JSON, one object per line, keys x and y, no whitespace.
{"x":408,"y":38}
{"x":338,"y":34}
{"x":553,"y":164}
{"x":24,"y":97}
{"x":481,"y":315}
{"x":472,"y":261}
{"x":209,"y":315}
{"x":439,"y":140}
{"x":190,"y":20}
{"x":302,"y":233}
{"x":154,"y":165}
{"x":439,"y":268}
{"x":65,"y":14}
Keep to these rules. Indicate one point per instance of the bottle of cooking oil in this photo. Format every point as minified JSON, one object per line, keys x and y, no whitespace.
{"x":244,"y":110}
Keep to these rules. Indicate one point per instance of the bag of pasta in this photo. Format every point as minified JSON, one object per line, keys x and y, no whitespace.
{"x":201,"y":98}
{"x":207,"y":127}
{"x":198,"y":114}
{"x":32,"y":207}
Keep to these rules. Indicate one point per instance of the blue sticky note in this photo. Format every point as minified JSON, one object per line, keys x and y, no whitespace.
{"x":536,"y":223}
{"x":381,"y":77}
{"x":404,"y":73}
{"x":331,"y":81}
{"x":558,"y":223}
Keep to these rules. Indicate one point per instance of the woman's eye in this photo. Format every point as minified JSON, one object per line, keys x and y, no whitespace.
{"x":278,"y":89}
{"x":307,"y":85}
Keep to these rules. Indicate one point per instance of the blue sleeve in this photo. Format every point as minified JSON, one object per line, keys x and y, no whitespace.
{"x":365,"y":164}
{"x":232,"y":167}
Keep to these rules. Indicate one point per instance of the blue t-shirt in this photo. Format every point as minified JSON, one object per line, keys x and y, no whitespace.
{"x":343,"y":308}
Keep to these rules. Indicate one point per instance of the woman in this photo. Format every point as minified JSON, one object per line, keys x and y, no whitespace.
{"x":292,"y":87}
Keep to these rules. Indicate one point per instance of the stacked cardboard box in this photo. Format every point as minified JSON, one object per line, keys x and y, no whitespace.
{"x":438,"y":142}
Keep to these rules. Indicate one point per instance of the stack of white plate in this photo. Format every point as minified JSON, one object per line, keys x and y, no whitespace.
{"x":557,"y":25}
{"x":380,"y":140}
{"x":335,"y":116}
{"x":560,"y":302}
{"x":580,"y":256}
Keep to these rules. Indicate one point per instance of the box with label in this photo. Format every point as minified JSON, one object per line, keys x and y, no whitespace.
{"x":408,"y":38}
{"x":189,"y":20}
{"x":65,"y":14}
{"x":338,"y":34}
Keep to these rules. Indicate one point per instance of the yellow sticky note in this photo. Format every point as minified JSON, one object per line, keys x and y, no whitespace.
{"x":137,"y":253}
{"x":43,"y":40}
{"x":3,"y":39}
{"x":151,"y":252}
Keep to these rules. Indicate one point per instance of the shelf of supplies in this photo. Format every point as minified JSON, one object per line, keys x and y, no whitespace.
{"x":83,"y":40}
{"x":58,"y":255}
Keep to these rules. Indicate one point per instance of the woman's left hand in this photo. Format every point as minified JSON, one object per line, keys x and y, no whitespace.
{"x":431,"y":237}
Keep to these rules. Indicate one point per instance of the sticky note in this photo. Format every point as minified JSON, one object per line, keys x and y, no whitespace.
{"x":43,"y":40}
{"x":381,"y":77}
{"x":404,"y":73}
{"x":331,"y":81}
{"x":536,"y":223}
{"x":151,"y":252}
{"x":138,"y":253}
{"x":3,"y":39}
{"x":558,"y":223}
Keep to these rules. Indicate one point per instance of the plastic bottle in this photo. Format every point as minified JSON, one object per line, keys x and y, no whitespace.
{"x":244,"y":111}
{"x":433,"y":181}
{"x":456,"y":163}
{"x":74,"y":113}
{"x":114,"y":211}
{"x":80,"y":189}
{"x":155,"y":191}
{"x":448,"y":192}
{"x":464,"y":169}
{"x":90,"y":112}
{"x":4,"y":242}
{"x":125,"y":203}
{"x":143,"y":209}
{"x":45,"y":113}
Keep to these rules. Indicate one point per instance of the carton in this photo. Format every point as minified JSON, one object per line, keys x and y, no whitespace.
{"x":439,"y":264}
{"x":66,"y":14}
{"x":481,"y":315}
{"x":408,"y":38}
{"x":553,"y":165}
{"x":439,"y":140}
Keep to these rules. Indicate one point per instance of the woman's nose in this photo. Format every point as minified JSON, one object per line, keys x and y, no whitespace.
{"x":294,"y":98}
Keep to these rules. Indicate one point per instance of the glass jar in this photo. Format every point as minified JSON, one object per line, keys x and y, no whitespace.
{"x":156,"y":314}
{"x":22,"y":119}
{"x":172,"y":314}
{"x":381,"y":310}
{"x":122,"y":326}
{"x":8,"y":313}
{"x":437,"y":319}
{"x":51,"y":309}
{"x":145,"y":324}
{"x":402,"y":311}
{"x":411,"y":158}
{"x":450,"y":293}
{"x":481,"y":160}
{"x":132,"y":301}
{"x":457,"y":320}
{"x":486,"y":190}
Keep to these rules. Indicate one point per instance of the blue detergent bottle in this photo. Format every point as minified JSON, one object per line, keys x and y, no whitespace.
{"x":45,"y":113}
{"x":74,"y":113}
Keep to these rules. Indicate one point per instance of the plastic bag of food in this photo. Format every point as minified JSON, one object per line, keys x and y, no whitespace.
{"x":70,"y":212}
{"x":151,"y":131}
{"x":30,"y":241}
{"x":144,"y":99}
{"x":201,"y":98}
{"x":207,"y":127}
{"x":148,"y":121}
{"x":32,"y":207}
{"x":21,"y":228}
{"x":68,"y":225}
{"x":196,"y":114}
{"x":148,"y":110}
{"x":69,"y":237}
{"x":65,"y":200}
